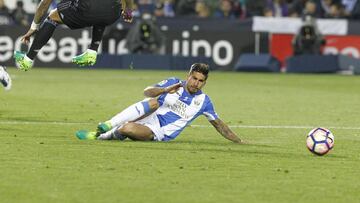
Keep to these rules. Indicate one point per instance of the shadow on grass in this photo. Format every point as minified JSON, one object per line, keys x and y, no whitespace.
{"x":201,"y":146}
{"x":230,"y":148}
{"x":228,"y":144}
{"x":194,"y":146}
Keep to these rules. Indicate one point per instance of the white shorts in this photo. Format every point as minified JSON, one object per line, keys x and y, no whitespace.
{"x":151,"y":121}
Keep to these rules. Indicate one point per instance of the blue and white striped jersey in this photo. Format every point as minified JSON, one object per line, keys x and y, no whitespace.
{"x":179,"y":109}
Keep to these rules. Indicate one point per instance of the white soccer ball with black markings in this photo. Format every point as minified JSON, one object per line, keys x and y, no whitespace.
{"x":320,"y":141}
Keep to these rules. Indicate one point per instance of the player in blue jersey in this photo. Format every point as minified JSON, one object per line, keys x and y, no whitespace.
{"x":172,"y":105}
{"x":75,"y":14}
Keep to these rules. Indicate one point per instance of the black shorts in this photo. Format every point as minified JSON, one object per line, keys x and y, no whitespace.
{"x":76,"y":15}
{"x":70,"y":15}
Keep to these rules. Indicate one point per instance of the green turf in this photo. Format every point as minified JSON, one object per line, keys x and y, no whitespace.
{"x":42,"y":161}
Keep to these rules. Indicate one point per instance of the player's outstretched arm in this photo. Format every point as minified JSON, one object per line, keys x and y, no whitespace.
{"x":225,"y":131}
{"x":39,"y":13}
{"x":156,"y":91}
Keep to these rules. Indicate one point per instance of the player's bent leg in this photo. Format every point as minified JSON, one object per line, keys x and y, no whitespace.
{"x":152,"y":104}
{"x":88,"y":58}
{"x":137,"y":132}
{"x":132,"y":113}
{"x":24,"y":61}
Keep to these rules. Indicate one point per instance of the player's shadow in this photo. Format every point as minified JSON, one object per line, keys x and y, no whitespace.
{"x":241,"y":150}
{"x":200,"y":146}
{"x":207,"y":143}
{"x":206,"y":146}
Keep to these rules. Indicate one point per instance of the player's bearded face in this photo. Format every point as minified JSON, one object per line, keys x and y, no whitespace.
{"x":195,"y":82}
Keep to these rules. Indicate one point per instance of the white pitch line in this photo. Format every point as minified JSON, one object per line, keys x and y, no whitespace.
{"x":194,"y":126}
{"x":279,"y":127}
{"x":42,"y":123}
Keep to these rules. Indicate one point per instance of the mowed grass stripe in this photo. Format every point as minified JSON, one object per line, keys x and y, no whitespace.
{"x":42,"y":160}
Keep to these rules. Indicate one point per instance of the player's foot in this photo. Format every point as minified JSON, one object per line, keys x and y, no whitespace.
{"x":88,"y":58}
{"x":104,"y":127}
{"x":113,"y":134}
{"x":22,"y":62}
{"x":86,"y":135}
{"x":5,"y":78}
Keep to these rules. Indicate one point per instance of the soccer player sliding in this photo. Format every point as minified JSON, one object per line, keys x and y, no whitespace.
{"x":76,"y":14}
{"x":172,"y":105}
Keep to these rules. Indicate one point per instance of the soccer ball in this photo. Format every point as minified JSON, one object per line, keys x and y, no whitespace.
{"x":320,"y":141}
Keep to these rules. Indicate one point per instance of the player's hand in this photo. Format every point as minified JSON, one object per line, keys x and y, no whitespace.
{"x":127,"y":15}
{"x":26,"y":38}
{"x":173,"y":88}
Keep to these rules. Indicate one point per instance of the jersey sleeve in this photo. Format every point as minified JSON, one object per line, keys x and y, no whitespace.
{"x":167,"y":82}
{"x":209,"y":110}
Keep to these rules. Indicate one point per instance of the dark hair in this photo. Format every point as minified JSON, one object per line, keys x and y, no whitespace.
{"x":201,"y":68}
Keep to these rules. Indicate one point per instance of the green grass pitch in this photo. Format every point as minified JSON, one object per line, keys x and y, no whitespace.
{"x":42,"y":161}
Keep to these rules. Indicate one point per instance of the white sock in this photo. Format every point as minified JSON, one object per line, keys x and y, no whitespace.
{"x":27,"y":58}
{"x":112,"y":134}
{"x":91,"y":51}
{"x":131,"y":113}
{"x":108,"y":135}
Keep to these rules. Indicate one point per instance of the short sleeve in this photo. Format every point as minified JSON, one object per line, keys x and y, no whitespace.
{"x":209,"y":111}
{"x":167,"y":82}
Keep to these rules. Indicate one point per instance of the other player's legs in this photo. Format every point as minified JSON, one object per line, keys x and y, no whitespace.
{"x":88,"y":58}
{"x":5,"y":78}
{"x":24,"y":61}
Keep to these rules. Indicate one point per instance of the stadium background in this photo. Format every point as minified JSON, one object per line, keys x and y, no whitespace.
{"x":221,"y":35}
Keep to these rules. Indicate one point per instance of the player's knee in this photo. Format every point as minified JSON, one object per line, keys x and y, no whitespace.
{"x":127,"y":129}
{"x":55,"y":16}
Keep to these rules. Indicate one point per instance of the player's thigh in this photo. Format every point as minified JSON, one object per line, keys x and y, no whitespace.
{"x":55,"y":16}
{"x":137,"y":131}
{"x":70,"y":15}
